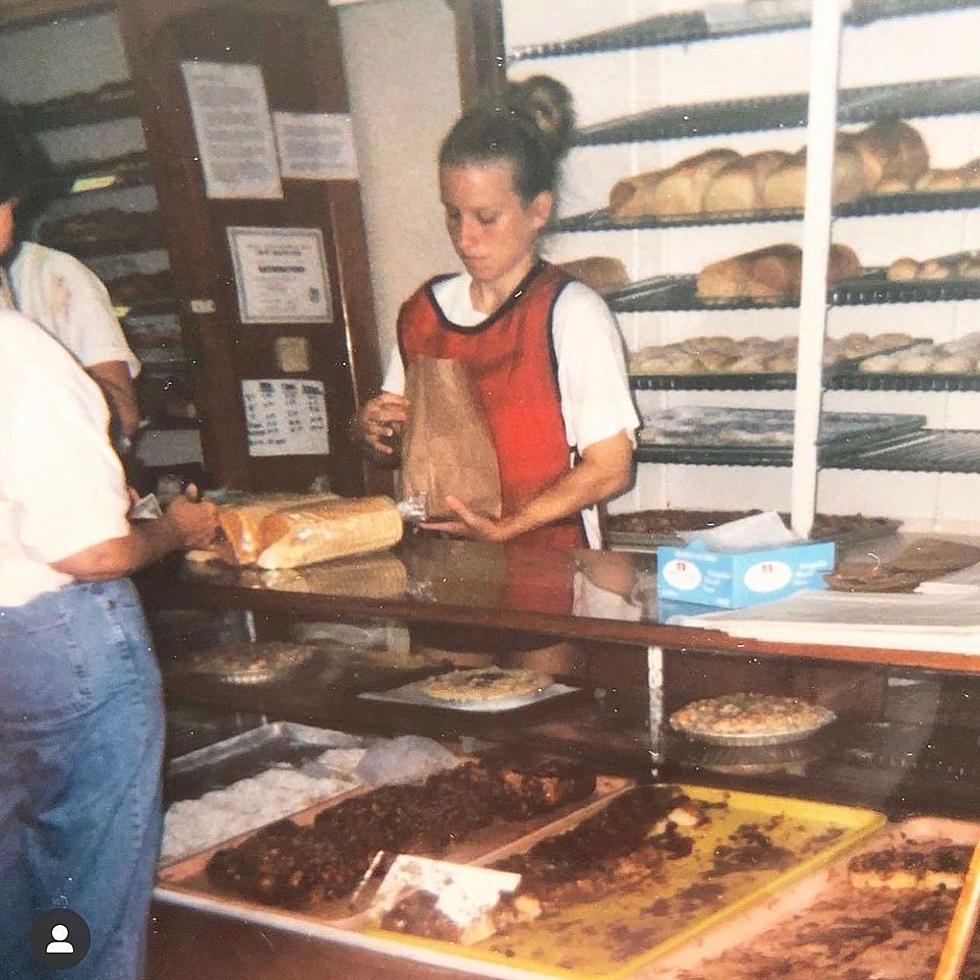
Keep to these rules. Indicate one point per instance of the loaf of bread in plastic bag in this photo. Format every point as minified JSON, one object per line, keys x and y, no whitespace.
{"x":304,"y":535}
{"x":241,"y":522}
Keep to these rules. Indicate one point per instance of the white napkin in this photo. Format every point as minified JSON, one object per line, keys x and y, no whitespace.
{"x":765,"y":530}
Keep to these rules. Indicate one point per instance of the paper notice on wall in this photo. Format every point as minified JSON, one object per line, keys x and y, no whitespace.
{"x":281,"y":275}
{"x":285,"y":417}
{"x":316,"y":146}
{"x":233,"y":128}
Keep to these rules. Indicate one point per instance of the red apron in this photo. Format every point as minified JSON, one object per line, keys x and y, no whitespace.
{"x":512,"y":360}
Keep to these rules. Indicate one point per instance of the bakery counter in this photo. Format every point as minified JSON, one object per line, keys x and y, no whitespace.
{"x":583,"y":595}
{"x":191,"y":943}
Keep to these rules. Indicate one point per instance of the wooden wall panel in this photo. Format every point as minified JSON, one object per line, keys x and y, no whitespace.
{"x":297,"y":46}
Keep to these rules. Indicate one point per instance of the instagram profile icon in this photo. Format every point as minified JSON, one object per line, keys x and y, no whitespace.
{"x":60,"y":939}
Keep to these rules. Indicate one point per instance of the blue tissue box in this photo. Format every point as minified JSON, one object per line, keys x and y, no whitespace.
{"x":746,"y":577}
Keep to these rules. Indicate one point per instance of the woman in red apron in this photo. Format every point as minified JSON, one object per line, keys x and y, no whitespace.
{"x":543,"y":349}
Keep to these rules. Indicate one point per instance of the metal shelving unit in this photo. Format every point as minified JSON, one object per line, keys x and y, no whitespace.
{"x":867,"y":206}
{"x":116,"y":100}
{"x":927,"y":451}
{"x":786,"y":381}
{"x":697,"y":25}
{"x":661,"y":294}
{"x":934,"y":97}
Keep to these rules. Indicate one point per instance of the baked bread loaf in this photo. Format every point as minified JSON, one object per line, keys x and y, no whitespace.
{"x":738,"y":185}
{"x":601,"y":272}
{"x":681,"y":188}
{"x":934,"y":269}
{"x":331,"y":529}
{"x":902,"y":269}
{"x":971,"y":173}
{"x":632,"y":197}
{"x":893,"y":185}
{"x":941,"y":180}
{"x":769,"y":273}
{"x":889,"y":149}
{"x":241,"y":523}
{"x":786,"y":187}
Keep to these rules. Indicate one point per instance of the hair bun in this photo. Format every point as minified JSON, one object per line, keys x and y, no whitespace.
{"x":547,"y":103}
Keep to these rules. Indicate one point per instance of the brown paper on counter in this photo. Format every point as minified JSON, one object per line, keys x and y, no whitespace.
{"x":447,"y":449}
{"x":920,"y":561}
{"x":936,"y":556}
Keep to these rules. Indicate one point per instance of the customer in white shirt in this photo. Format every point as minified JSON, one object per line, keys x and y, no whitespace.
{"x":57,"y":291}
{"x":81,"y":712}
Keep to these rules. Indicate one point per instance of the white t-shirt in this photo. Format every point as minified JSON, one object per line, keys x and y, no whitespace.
{"x":592,"y":379}
{"x":67,"y":299}
{"x":62,"y":487}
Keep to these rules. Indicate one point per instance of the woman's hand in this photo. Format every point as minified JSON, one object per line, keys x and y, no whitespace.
{"x":603,"y":471}
{"x":380,"y":421}
{"x":471,"y":524}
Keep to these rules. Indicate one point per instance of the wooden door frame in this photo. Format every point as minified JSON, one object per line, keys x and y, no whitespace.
{"x":480,"y":51}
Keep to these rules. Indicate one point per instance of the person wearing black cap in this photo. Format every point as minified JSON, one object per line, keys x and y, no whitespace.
{"x":54,"y":289}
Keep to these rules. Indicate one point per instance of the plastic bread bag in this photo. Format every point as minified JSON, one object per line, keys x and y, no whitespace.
{"x":332,"y":528}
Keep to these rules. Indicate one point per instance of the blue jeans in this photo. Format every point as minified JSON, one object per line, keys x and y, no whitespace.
{"x":81,"y":748}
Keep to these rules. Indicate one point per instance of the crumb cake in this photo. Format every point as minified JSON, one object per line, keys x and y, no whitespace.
{"x":745,"y":714}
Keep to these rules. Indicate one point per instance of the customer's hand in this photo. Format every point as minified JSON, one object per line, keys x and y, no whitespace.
{"x":196,"y":522}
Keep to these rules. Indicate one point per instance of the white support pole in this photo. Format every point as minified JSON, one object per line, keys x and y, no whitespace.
{"x":821,"y":133}
{"x":655,"y":687}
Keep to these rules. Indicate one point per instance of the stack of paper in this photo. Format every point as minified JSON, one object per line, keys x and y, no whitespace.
{"x":948,"y":623}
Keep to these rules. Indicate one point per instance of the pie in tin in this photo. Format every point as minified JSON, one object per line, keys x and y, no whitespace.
{"x":250,"y":663}
{"x":741,"y":716}
{"x":484,"y":684}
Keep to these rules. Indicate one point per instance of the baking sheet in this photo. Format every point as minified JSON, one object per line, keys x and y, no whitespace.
{"x":414,"y":694}
{"x":652,"y":540}
{"x":792,"y":902}
{"x":703,"y":429}
{"x":248,"y":754}
{"x":569,"y":942}
{"x":185,"y":882}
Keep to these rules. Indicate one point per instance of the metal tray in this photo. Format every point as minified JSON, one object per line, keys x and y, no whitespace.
{"x":616,"y":935}
{"x":932,"y":97}
{"x":688,"y":26}
{"x":789,"y":908}
{"x":847,"y":369}
{"x":868,"y":205}
{"x":873,"y":287}
{"x":639,"y":539}
{"x":185,"y":882}
{"x":412,"y":694}
{"x":243,"y":756}
{"x":838,"y":431}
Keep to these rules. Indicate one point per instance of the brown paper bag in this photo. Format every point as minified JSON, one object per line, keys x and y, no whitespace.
{"x":447,"y":448}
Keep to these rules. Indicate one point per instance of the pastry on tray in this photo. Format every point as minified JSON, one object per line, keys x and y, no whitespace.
{"x":484,"y":684}
{"x":745,"y":715}
{"x":925,"y":868}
